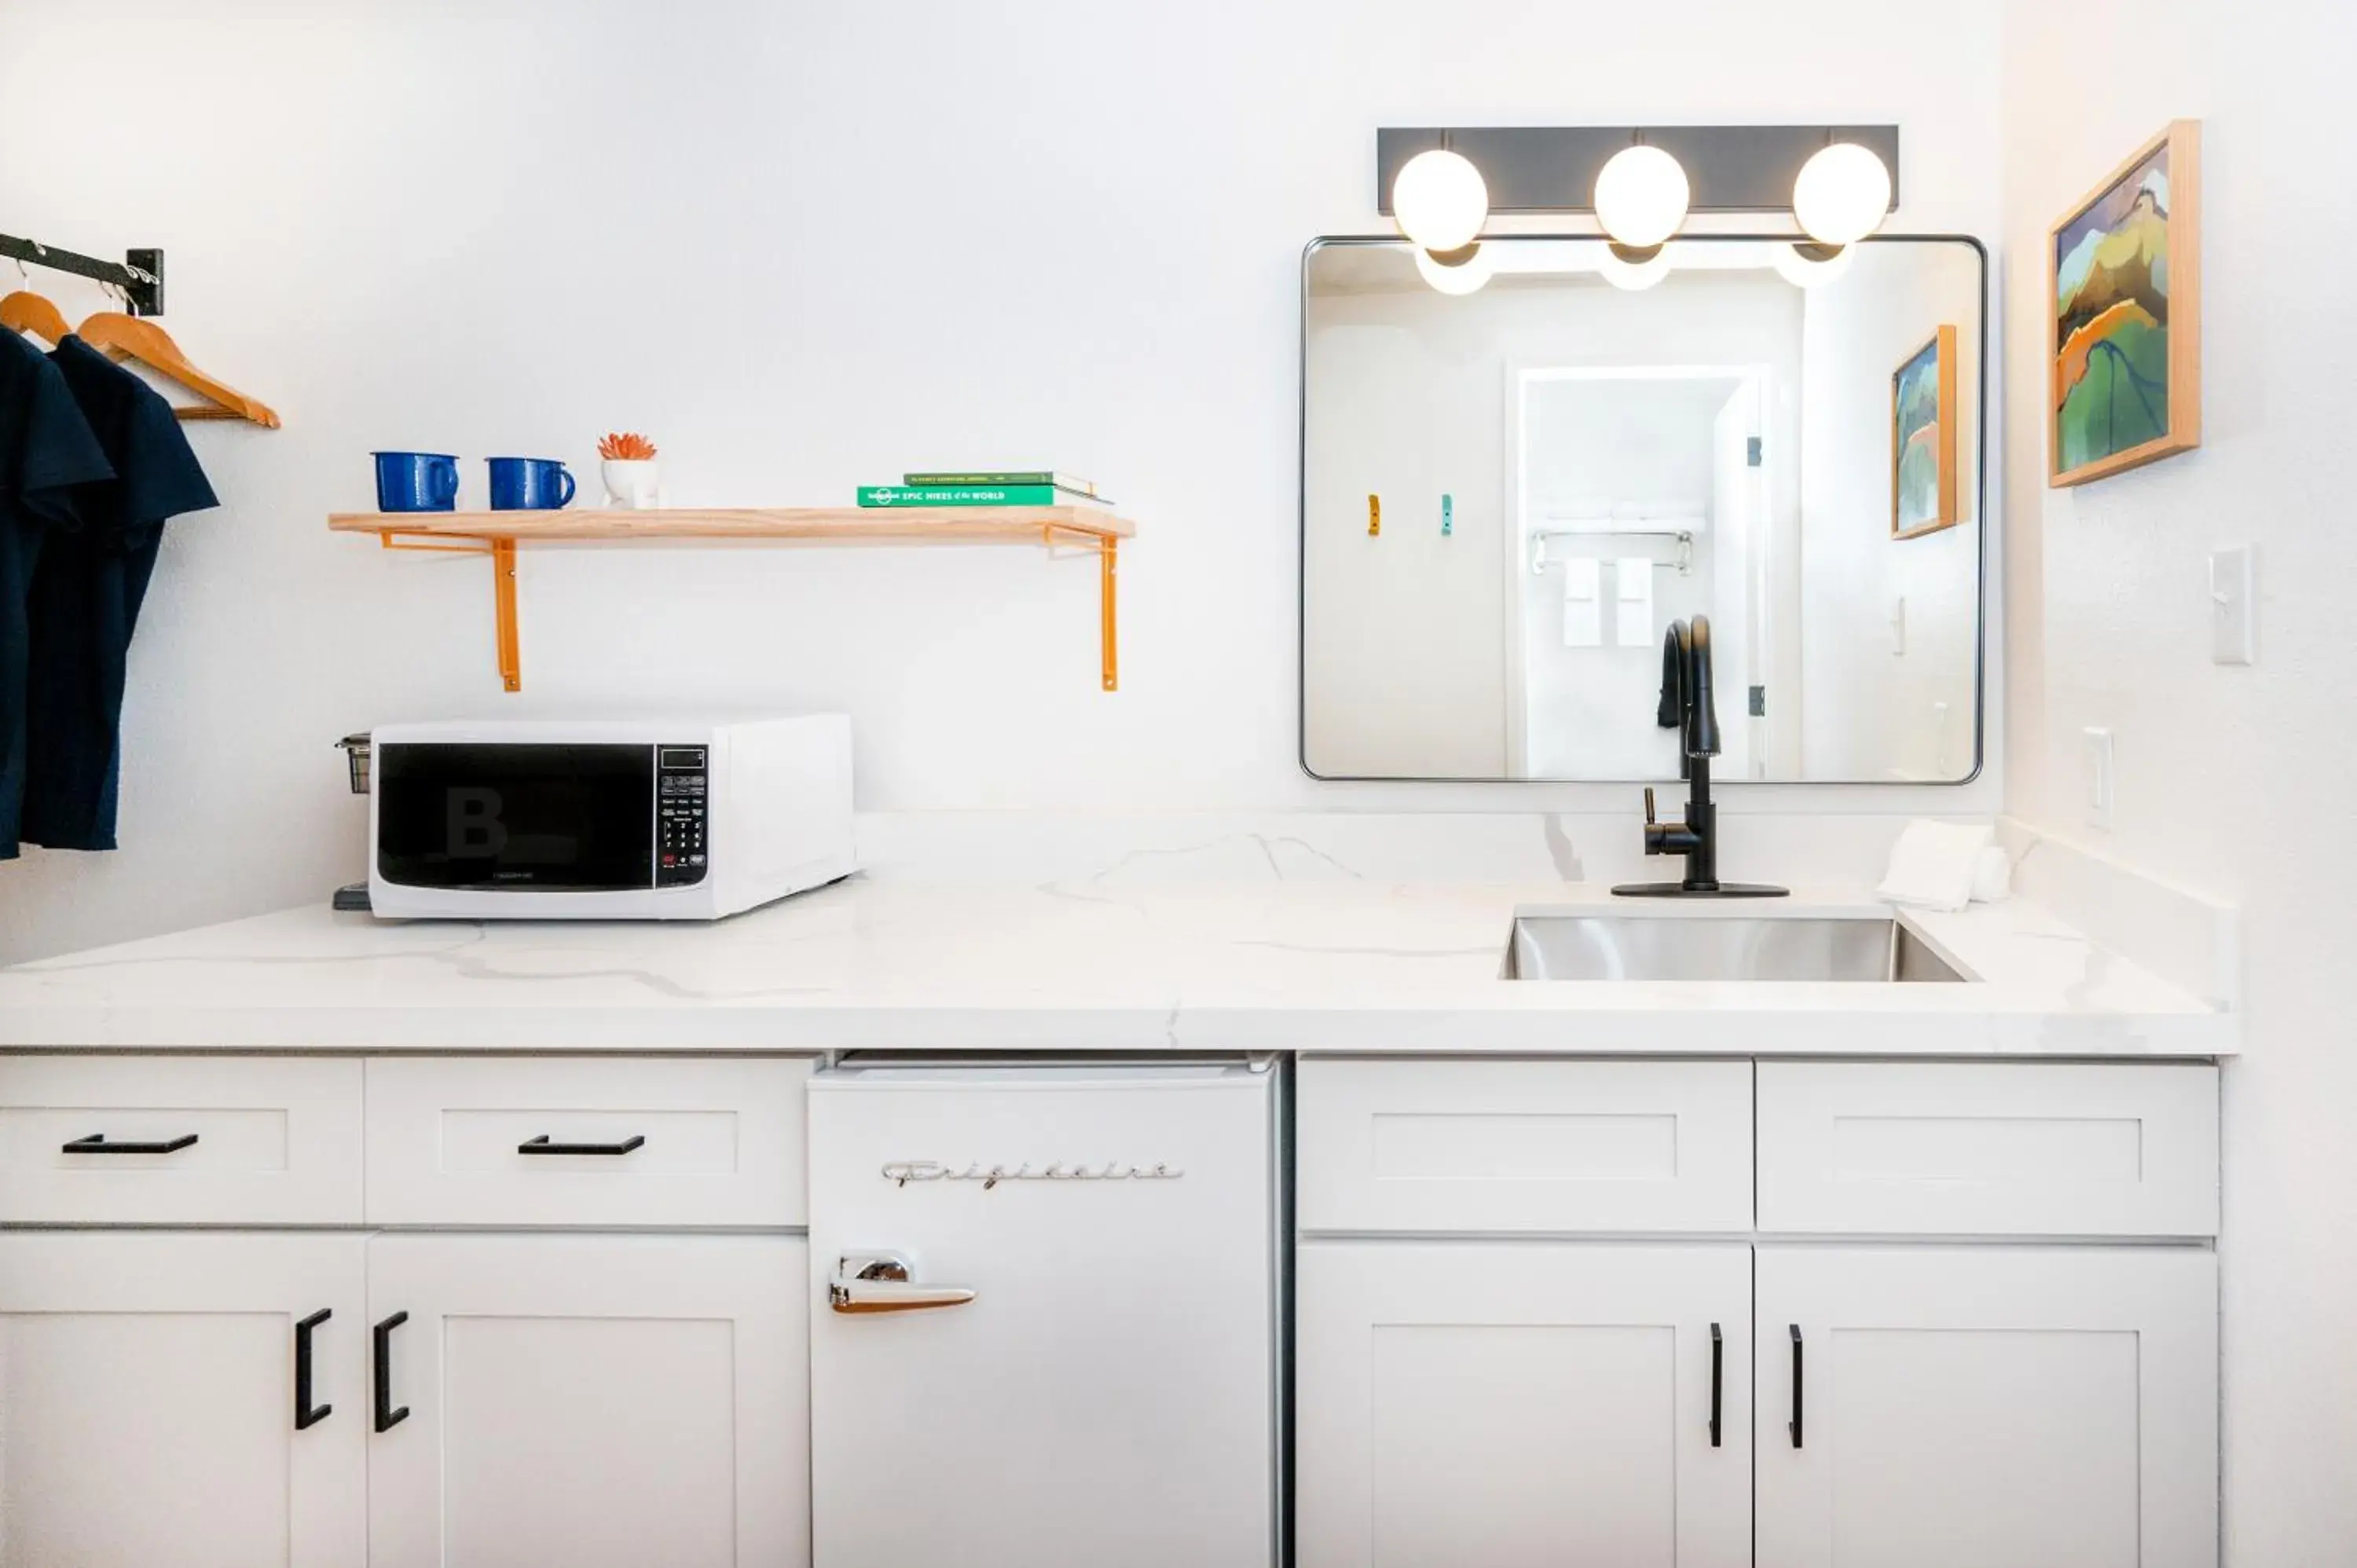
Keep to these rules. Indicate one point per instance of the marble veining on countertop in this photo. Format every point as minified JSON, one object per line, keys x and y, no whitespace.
{"x":1094,"y":963}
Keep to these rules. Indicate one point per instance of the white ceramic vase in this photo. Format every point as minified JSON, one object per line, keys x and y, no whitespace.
{"x":630,"y":483}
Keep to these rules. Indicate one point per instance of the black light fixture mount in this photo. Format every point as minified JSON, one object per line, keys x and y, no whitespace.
{"x":1553,"y":168}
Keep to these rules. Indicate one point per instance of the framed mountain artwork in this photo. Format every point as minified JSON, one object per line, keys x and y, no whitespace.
{"x":2125,"y":276}
{"x":1923,"y":439}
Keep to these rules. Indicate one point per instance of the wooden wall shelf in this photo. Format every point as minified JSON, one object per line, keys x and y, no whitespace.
{"x":497,"y":535}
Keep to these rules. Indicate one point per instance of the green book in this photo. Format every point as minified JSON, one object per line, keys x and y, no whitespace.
{"x":993,"y":476}
{"x":967,"y":495}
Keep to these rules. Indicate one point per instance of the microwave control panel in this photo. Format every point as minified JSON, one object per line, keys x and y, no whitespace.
{"x":682,"y":775}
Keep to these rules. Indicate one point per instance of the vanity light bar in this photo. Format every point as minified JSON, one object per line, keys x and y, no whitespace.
{"x":1553,"y":168}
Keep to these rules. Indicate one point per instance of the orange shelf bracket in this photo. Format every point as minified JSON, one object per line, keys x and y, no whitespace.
{"x":392,"y":541}
{"x":503,"y":601}
{"x":503,"y":552}
{"x":1107,"y":547}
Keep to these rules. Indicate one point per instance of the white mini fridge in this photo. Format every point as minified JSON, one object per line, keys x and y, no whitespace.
{"x":1045,"y":1314}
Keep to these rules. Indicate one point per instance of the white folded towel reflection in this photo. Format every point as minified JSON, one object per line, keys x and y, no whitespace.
{"x":1934,"y":864}
{"x":1583,"y":614}
{"x":1633,"y":620}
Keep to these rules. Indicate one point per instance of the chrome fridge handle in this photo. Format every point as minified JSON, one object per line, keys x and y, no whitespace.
{"x":880,"y":1282}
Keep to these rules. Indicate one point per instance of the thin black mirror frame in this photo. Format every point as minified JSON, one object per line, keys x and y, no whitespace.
{"x":1980,"y":522}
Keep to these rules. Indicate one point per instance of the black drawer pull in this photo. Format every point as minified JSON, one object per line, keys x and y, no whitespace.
{"x":1718,"y":1362}
{"x":307,"y":1415}
{"x":96,"y":1143}
{"x":387,"y":1418}
{"x":1793,"y":1426}
{"x":541,"y":1145}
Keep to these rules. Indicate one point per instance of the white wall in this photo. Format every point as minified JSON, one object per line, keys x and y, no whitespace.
{"x":805,"y":246}
{"x":1869,"y":707}
{"x":2234,"y":782}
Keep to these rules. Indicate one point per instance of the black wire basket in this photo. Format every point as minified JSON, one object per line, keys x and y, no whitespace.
{"x":355,"y":750}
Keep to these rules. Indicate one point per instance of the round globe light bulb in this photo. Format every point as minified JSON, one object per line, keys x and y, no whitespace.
{"x":1642,"y":195}
{"x":1843,"y":194}
{"x":1633,"y":276}
{"x":1801,"y":273}
{"x":1466,"y":277}
{"x":1440,"y":199}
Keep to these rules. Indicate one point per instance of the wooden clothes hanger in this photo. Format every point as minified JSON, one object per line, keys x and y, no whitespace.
{"x":120,"y":337}
{"x":25,"y":311}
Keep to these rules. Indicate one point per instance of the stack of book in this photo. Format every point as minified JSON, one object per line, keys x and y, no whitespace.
{"x":1013,"y":487}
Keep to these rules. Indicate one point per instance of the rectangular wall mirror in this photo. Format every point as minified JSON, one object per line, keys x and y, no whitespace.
{"x":1509,"y":495}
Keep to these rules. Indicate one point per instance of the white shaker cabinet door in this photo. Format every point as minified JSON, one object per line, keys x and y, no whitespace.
{"x":1959,"y":1407}
{"x":599,"y":1401}
{"x":1523,"y":1405}
{"x":149,"y":1390}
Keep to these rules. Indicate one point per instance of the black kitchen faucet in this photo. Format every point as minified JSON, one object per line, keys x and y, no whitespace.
{"x":1687,"y":707}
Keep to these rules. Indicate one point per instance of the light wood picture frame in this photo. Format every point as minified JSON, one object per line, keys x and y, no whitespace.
{"x":2124,"y":303}
{"x":1923,"y":414}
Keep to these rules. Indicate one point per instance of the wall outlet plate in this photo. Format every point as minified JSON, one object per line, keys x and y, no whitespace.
{"x":2099,"y":776}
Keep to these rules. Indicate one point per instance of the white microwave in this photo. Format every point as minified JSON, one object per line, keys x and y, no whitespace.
{"x":606,"y":819}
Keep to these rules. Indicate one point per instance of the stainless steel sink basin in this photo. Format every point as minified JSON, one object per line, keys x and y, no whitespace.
{"x":1621,"y":947}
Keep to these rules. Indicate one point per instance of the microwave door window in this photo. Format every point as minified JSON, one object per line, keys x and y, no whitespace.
{"x":561,"y":818}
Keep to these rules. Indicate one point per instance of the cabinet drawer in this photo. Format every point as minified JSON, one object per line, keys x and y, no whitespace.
{"x":1974,"y":1149}
{"x":586,"y":1141}
{"x":234,"y":1141}
{"x":1524,"y":1145}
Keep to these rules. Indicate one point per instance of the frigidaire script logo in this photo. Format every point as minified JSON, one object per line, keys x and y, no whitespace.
{"x":900,"y":1173}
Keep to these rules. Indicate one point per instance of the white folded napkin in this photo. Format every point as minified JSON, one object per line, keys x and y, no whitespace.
{"x":1933,"y":864}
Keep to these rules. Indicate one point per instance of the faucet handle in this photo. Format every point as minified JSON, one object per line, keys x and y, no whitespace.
{"x":1649,"y":806}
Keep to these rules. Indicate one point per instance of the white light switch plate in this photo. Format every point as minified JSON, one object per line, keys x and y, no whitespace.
{"x":2233,"y":609}
{"x":2099,"y":777}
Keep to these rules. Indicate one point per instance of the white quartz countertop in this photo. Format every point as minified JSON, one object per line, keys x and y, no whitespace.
{"x":1323,"y":967}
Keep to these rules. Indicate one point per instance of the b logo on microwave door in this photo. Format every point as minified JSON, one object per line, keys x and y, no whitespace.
{"x":900,"y":1173}
{"x":473,"y":818}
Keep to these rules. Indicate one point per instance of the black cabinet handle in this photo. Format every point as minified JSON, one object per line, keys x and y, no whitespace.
{"x":306,"y":1414}
{"x":96,"y":1143}
{"x":541,"y":1145}
{"x":1717,"y":1364}
{"x":1793,"y":1426}
{"x":387,"y":1418}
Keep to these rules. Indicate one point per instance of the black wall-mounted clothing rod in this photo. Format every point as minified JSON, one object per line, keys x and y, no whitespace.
{"x":140,"y":274}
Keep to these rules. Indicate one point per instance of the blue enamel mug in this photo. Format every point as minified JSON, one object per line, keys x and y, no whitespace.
{"x":530,"y":484}
{"x":416,"y":481}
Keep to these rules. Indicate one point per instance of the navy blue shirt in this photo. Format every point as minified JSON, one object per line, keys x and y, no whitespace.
{"x":46,"y":450}
{"x":85,"y":598}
